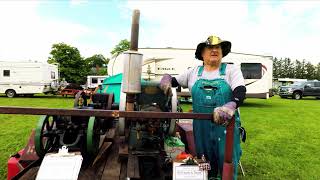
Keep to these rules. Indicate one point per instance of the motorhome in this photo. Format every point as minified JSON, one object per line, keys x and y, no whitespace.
{"x":27,"y":78}
{"x":94,"y":81}
{"x":256,"y":69}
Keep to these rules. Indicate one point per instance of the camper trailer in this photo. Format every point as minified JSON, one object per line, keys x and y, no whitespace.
{"x":256,"y":69}
{"x":94,"y":81}
{"x":27,"y":78}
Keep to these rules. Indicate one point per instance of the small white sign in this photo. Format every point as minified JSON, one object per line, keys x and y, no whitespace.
{"x":188,"y":172}
{"x":57,"y":167}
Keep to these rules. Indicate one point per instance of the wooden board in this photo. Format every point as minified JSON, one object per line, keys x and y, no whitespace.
{"x":133,"y":167}
{"x":123,"y":148}
{"x":113,"y":166}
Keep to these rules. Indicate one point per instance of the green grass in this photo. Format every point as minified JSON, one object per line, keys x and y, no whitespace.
{"x":283,"y":138}
{"x":15,"y":129}
{"x":283,"y":135}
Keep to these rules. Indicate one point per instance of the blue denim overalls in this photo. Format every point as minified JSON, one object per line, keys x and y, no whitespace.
{"x":209,"y":137}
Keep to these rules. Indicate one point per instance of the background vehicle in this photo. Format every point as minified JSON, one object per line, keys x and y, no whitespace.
{"x":28,"y":78}
{"x":94,"y":81}
{"x":256,"y":69}
{"x":300,"y":89}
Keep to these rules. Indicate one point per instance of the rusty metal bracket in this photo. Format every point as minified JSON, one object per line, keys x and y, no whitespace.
{"x":115,"y":114}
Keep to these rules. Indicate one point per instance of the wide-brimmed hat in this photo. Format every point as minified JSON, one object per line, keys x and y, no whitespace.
{"x":211,"y":41}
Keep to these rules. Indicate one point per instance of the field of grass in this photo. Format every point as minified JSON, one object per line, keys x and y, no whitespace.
{"x":15,"y":129}
{"x":283,"y":135}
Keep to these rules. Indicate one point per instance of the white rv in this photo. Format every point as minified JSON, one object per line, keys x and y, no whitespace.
{"x":94,"y":81}
{"x":27,"y":78}
{"x":256,"y":69}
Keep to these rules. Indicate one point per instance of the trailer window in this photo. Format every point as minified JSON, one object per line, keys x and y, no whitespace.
{"x":251,"y":70}
{"x":94,"y":80}
{"x":53,"y":75}
{"x":6,"y":73}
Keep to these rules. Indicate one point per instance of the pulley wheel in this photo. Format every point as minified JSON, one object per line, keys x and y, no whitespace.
{"x":93,"y":136}
{"x":45,"y":136}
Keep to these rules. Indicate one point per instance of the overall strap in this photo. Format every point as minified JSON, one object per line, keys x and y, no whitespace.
{"x":222,"y":69}
{"x":200,"y":71}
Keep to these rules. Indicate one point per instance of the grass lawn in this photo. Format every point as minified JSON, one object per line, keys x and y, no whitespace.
{"x":15,"y":129}
{"x":283,"y":135}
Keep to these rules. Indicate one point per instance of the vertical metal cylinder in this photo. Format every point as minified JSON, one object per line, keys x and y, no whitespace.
{"x":133,"y":47}
{"x":135,"y":30}
{"x":132,"y":67}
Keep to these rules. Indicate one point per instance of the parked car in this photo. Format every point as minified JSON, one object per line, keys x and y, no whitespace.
{"x":301,"y":89}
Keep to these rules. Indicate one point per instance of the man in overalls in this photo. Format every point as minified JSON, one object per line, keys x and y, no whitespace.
{"x":216,"y":88}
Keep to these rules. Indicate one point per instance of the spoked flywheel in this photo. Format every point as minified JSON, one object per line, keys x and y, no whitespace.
{"x":93,"y":136}
{"x":45,"y":136}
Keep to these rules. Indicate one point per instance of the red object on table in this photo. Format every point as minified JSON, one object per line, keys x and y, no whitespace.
{"x":183,"y":155}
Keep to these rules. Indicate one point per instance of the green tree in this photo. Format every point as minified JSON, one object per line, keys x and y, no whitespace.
{"x":290,"y":70}
{"x":317,"y":72}
{"x":98,"y":64}
{"x":72,"y":66}
{"x":310,"y":71}
{"x":123,"y":45}
{"x":298,"y":69}
{"x":285,"y":67}
{"x":303,"y":69}
{"x":282,"y":71}
{"x":276,"y":68}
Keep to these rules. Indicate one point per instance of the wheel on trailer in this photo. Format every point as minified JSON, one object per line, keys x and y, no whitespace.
{"x":11,"y":93}
{"x":93,"y":136}
{"x":45,"y":137}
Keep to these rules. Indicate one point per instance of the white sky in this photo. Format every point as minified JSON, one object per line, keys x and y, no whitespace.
{"x":287,"y":29}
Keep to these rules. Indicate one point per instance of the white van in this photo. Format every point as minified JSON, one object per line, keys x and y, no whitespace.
{"x":27,"y":78}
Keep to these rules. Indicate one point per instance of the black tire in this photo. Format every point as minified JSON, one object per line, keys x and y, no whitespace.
{"x":283,"y":97}
{"x":11,"y":93}
{"x":297,"y":95}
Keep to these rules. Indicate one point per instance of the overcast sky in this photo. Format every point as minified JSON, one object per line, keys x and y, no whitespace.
{"x":278,"y":28}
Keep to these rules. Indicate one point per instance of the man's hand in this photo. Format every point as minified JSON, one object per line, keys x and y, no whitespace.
{"x":223,"y":114}
{"x":165,"y":84}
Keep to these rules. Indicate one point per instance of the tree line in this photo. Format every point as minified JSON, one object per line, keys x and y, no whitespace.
{"x":286,"y":68}
{"x":74,"y":68}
